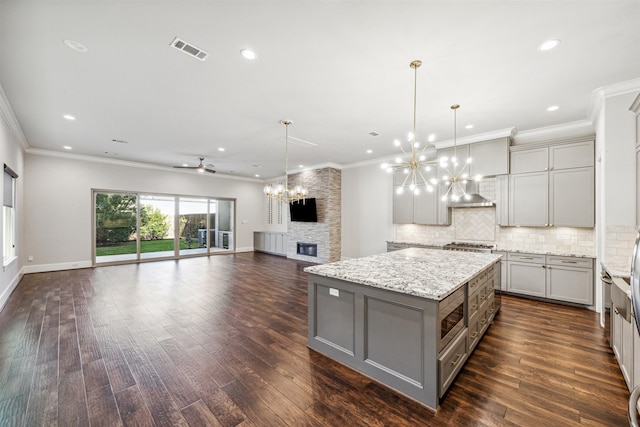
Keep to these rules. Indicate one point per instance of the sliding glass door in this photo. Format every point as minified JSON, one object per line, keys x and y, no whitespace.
{"x":116,"y":227}
{"x":131,"y":227}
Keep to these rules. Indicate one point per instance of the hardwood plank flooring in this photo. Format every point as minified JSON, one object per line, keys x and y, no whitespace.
{"x":221,"y":341}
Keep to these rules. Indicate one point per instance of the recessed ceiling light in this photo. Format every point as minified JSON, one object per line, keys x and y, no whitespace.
{"x":300,"y":166}
{"x":220,"y":149}
{"x":185,"y":164}
{"x":248,"y":54}
{"x":369,"y":151}
{"x":257,"y":175}
{"x":67,"y":147}
{"x":468,"y":127}
{"x":553,"y":108}
{"x":69,"y":117}
{"x":432,"y":137}
{"x":77,"y":46}
{"x":548,"y":45}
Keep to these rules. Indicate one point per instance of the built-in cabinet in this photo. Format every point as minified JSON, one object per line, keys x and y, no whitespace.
{"x":270,"y":242}
{"x":488,"y":158}
{"x":548,"y":186}
{"x":423,"y":208}
{"x":560,"y":278}
{"x":625,"y":340}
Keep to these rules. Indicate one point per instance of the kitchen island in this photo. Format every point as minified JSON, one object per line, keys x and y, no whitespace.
{"x":408,"y":319}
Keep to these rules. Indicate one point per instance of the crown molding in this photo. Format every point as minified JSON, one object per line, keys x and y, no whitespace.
{"x":599,"y":95}
{"x":579,"y":128}
{"x":85,"y":158}
{"x":479,"y":137}
{"x":11,"y":120}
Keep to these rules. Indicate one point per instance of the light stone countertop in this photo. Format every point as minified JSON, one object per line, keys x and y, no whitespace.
{"x":617,"y":270}
{"x":426,"y":273}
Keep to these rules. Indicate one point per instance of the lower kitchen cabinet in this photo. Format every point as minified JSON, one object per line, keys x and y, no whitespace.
{"x":561,"y":278}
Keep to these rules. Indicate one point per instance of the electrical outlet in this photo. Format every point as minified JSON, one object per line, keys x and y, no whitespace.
{"x":30,"y":258}
{"x":541,"y":238}
{"x":334,"y":292}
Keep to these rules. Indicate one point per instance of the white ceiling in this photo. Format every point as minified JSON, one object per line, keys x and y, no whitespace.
{"x":338,"y":69}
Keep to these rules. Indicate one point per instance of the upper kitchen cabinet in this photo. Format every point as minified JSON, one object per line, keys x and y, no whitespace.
{"x":550,"y":185}
{"x":424,"y":208}
{"x":461,"y":153}
{"x":489,"y":158}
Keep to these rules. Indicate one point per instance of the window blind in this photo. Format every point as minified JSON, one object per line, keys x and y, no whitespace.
{"x":7,"y":186}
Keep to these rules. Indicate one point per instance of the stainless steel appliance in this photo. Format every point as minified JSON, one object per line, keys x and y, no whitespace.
{"x":606,"y":285}
{"x":481,"y":247}
{"x":451,"y":317}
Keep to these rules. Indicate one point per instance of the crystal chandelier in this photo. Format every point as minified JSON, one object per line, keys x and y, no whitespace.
{"x":455,"y":176}
{"x":281,"y":193}
{"x":414,"y":161}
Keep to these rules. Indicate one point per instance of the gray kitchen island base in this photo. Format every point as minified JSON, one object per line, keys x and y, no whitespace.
{"x":395,"y":338}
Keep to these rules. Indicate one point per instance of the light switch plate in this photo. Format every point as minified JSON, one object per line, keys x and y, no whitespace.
{"x":334,"y":292}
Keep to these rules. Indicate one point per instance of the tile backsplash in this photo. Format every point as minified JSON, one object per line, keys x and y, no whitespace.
{"x":619,"y":243}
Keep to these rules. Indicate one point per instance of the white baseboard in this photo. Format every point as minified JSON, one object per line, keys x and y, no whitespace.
{"x":56,"y":267}
{"x":246,"y":249}
{"x":12,"y":285}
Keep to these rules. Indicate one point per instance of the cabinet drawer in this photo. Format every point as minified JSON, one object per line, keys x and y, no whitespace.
{"x":474,"y":285}
{"x":567,"y":261}
{"x":483,"y":320}
{"x":491,"y":309}
{"x":474,"y":334}
{"x":452,"y":360}
{"x":474,"y":305}
{"x":523,"y":257}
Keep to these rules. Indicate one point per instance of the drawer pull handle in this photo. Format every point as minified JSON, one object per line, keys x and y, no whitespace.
{"x":458,"y":358}
{"x":473,"y":335}
{"x":474,"y":306}
{"x":569,"y":262}
{"x":482,"y":297}
{"x":526,"y":257}
{"x":483,"y":321}
{"x":616,"y":310}
{"x":491,"y":311}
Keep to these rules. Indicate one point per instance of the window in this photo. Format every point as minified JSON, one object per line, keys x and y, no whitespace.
{"x":9,"y":216}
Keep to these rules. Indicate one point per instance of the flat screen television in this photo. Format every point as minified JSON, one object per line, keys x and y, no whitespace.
{"x":303,"y":211}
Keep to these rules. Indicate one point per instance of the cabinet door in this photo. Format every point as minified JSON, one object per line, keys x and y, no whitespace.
{"x":616,"y":333}
{"x":258,"y":241}
{"x":528,"y":199}
{"x":461,"y":153}
{"x":402,"y":207}
{"x":526,"y":278}
{"x":529,"y":160}
{"x":425,"y":207}
{"x":279,"y":246}
{"x":489,"y":158}
{"x":576,"y":155}
{"x":570,"y":284}
{"x":502,"y":200}
{"x":572,"y":198}
{"x":627,"y":351}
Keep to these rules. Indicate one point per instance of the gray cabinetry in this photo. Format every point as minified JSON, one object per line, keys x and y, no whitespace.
{"x":571,"y":197}
{"x":561,"y":278}
{"x":526,"y":274}
{"x":528,"y":199}
{"x":489,"y":158}
{"x":270,"y":242}
{"x":502,"y":200}
{"x":423,"y":208}
{"x":549,"y":186}
{"x":570,"y":279}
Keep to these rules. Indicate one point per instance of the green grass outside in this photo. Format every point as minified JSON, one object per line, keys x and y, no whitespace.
{"x":145,"y":246}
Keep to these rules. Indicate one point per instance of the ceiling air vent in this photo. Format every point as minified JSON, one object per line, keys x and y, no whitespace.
{"x":189,"y":49}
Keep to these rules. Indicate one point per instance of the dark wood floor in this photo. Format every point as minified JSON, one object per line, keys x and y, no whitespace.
{"x":222,"y":341}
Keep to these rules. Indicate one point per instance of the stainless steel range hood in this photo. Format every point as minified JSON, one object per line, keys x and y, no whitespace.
{"x":475,"y":200}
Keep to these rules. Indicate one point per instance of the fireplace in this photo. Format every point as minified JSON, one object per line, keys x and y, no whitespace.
{"x":308,"y":249}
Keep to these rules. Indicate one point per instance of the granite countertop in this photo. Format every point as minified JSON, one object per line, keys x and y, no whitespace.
{"x":617,"y":270}
{"x":427,"y":273}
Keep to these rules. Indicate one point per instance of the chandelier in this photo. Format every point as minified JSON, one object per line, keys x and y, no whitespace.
{"x":281,"y":193}
{"x":455,"y":176}
{"x":414,"y":161}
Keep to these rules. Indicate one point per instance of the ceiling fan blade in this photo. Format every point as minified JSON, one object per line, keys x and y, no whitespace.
{"x":186,"y":167}
{"x":303,"y":141}
{"x":210,"y":170}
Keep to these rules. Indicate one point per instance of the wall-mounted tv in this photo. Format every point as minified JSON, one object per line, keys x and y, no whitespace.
{"x":304,"y":210}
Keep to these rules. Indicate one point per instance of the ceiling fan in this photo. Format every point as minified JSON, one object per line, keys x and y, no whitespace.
{"x":200,"y":168}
